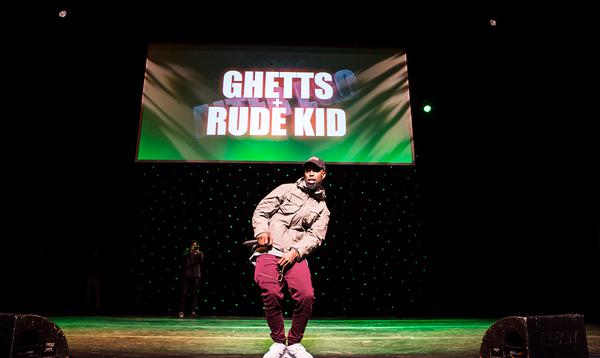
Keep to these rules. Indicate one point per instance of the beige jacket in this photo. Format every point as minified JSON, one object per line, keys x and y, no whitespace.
{"x":294,"y":217}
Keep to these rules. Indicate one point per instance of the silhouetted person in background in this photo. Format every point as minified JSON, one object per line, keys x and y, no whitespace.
{"x":190,"y":278}
{"x":93,"y":283}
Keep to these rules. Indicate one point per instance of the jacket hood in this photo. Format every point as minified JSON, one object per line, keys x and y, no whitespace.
{"x":318,"y":193}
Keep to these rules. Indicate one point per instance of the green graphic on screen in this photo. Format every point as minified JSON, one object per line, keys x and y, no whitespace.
{"x":258,"y":104}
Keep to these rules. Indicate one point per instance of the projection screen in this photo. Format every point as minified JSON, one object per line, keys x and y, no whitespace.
{"x":280,"y":105}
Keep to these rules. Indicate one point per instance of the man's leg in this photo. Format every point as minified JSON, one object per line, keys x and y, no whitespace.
{"x":265,"y":275}
{"x":195,"y":283}
{"x":182,"y":296}
{"x":300,"y":285}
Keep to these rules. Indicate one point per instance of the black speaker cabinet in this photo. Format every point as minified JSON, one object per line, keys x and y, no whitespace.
{"x":553,"y":336}
{"x":28,"y":336}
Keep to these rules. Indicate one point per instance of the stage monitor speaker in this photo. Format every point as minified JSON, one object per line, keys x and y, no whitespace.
{"x":553,"y":336}
{"x":28,"y":336}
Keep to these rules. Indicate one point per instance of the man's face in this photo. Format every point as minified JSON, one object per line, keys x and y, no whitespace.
{"x":313,"y":176}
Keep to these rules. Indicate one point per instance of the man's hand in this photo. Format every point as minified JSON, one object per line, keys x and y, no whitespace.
{"x":288,"y":258}
{"x":263,"y":241}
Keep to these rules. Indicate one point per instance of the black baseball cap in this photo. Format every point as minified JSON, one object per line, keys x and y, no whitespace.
{"x":316,"y":161}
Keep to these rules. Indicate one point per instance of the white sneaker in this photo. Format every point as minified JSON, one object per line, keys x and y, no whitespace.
{"x":297,"y":350}
{"x":275,"y":351}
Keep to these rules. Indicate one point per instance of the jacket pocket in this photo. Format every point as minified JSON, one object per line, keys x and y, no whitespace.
{"x":310,"y":218}
{"x":291,"y":204}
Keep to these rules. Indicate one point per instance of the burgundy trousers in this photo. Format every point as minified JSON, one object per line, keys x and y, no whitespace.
{"x":300,"y":287}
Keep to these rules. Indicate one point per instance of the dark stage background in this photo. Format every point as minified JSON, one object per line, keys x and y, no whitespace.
{"x":499,"y":216}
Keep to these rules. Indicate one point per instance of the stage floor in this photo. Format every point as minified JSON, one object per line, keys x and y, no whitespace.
{"x":127,"y":336}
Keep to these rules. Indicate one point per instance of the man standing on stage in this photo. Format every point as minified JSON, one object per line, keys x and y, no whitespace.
{"x":190,"y":278}
{"x":289,"y":224}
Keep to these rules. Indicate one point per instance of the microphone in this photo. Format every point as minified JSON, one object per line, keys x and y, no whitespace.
{"x":250,"y":242}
